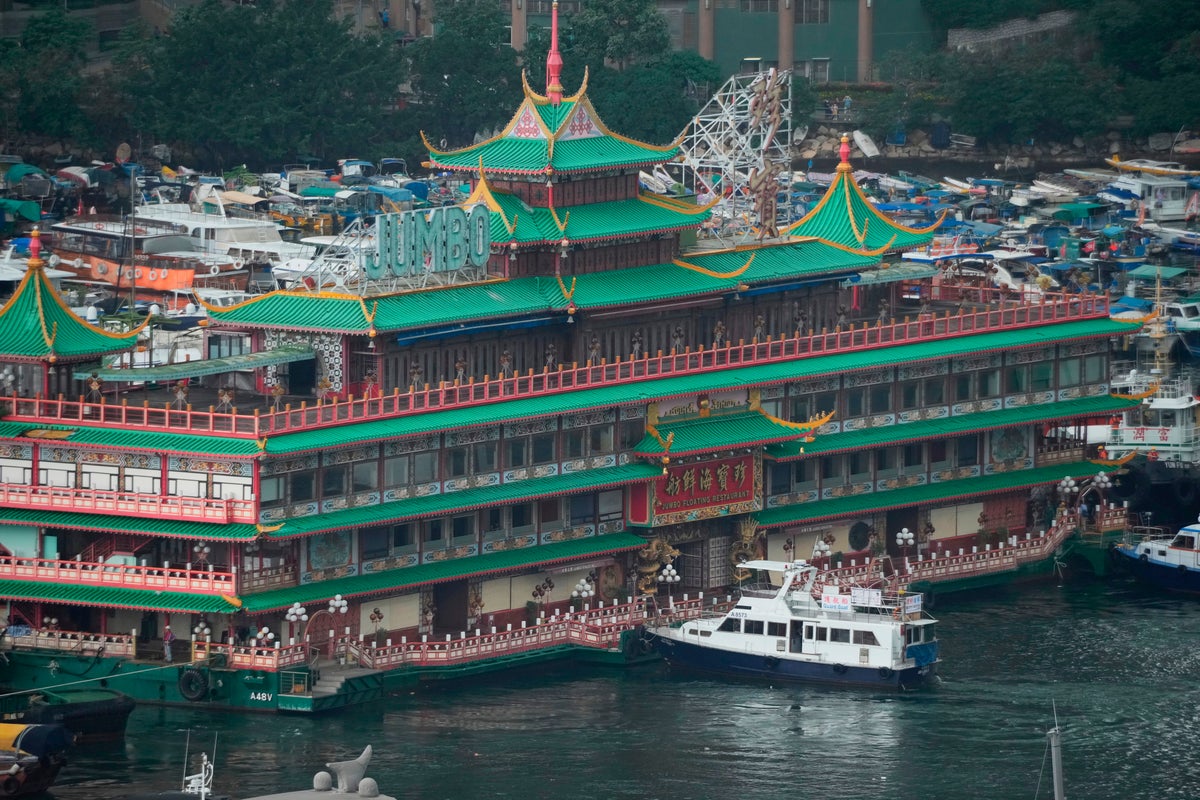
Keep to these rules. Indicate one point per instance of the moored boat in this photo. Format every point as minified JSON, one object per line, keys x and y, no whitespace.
{"x":861,"y":637}
{"x":31,"y":756}
{"x":92,"y":715}
{"x":1168,"y":561}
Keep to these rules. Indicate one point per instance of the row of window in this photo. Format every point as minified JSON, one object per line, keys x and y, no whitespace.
{"x":808,"y":12}
{"x":430,"y":466}
{"x":818,"y":633}
{"x":867,"y":465}
{"x":550,"y":514}
{"x":964,"y":387}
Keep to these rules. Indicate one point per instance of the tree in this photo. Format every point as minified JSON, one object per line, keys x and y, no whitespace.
{"x":619,"y":33}
{"x":262,"y":82}
{"x":44,"y":72}
{"x":465,"y":75}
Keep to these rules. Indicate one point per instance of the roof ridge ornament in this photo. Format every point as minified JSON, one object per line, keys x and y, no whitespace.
{"x":554,"y":61}
{"x":844,"y":152}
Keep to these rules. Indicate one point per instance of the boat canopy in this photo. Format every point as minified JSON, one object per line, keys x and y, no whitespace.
{"x":1151,"y":272}
{"x":28,"y":209}
{"x":207,"y":366}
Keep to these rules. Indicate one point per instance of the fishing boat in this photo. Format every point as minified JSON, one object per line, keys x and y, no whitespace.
{"x":91,"y":715}
{"x":859,"y":637}
{"x":1168,"y":561}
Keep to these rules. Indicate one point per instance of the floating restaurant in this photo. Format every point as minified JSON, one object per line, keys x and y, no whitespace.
{"x":534,"y":411}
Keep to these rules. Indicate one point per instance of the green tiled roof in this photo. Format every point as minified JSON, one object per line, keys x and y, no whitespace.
{"x":467,"y":499}
{"x":871,"y":502}
{"x":184,"y":529}
{"x":204,"y":366}
{"x":440,"y":571}
{"x":887,"y":435}
{"x":36,"y":324}
{"x":514,"y":152}
{"x":717,"y":432}
{"x":521,"y":297}
{"x":844,"y":216}
{"x":732,"y":378}
{"x":121,"y":439}
{"x":115,"y":597}
{"x":609,"y":220}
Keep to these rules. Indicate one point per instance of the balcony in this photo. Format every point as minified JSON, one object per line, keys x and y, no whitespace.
{"x":997,"y":312}
{"x":118,"y":576}
{"x":127,"y":504}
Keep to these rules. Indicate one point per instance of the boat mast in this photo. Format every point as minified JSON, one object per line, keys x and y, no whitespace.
{"x":1054,"y":735}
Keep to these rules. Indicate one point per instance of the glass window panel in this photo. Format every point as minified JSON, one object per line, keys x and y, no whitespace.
{"x":424,"y":467}
{"x":366,"y":476}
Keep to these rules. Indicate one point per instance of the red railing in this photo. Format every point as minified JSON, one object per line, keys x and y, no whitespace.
{"x":88,"y":573}
{"x":1005,"y":316}
{"x":129,"y":504}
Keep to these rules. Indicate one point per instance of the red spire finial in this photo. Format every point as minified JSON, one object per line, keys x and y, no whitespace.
{"x":844,"y":152}
{"x":35,"y":248}
{"x":554,"y":60}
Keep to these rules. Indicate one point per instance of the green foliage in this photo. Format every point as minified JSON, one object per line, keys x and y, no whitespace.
{"x":465,"y":77}
{"x":42,"y":76}
{"x":293,"y":79}
{"x":619,"y":33}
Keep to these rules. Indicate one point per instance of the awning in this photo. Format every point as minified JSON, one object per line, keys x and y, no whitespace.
{"x":1150,"y":272}
{"x":208,"y":366}
{"x":718,"y":432}
{"x":242,"y":198}
{"x":897,"y":272}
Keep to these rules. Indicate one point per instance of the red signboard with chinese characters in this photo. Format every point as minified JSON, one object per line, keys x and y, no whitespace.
{"x":706,"y":489}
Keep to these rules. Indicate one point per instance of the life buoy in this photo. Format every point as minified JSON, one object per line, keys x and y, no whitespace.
{"x":886,"y":673}
{"x":193,"y":685}
{"x":214,"y":269}
{"x":99,"y":226}
{"x":840,"y":669}
{"x":137,"y":273}
{"x":128,"y":273}
{"x":152,"y":275}
{"x":239,"y":263}
{"x":102,"y":269}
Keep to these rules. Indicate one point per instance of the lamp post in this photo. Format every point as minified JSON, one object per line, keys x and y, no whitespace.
{"x":821,"y":549}
{"x":1068,"y":488}
{"x":905,"y":539}
{"x":297,"y":614}
{"x":201,"y":550}
{"x":668,"y":577}
{"x":376,"y":618}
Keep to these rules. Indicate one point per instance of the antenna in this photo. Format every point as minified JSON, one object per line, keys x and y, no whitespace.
{"x":1054,"y":735}
{"x":187,"y":748}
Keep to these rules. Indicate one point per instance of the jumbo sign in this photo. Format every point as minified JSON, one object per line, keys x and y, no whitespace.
{"x":442,"y":239}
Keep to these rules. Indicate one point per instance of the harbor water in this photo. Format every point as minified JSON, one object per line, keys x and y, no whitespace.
{"x":1119,"y":663}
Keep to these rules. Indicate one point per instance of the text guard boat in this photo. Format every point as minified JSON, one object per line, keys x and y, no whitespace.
{"x":861,"y":637}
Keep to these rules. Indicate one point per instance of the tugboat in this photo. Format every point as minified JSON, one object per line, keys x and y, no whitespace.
{"x":862,"y":637}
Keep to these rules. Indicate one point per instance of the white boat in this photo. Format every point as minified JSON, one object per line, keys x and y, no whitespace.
{"x":1167,"y":561}
{"x":866,"y":144}
{"x":860,"y":636}
{"x":1148,"y":167}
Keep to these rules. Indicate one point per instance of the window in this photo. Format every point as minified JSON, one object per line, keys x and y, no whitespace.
{"x":938,"y":453}
{"x":935,"y":391}
{"x":839,"y":635}
{"x":962,"y":387}
{"x":814,"y":12}
{"x":881,"y":398}
{"x":522,"y":517}
{"x":303,"y":487}
{"x":781,"y":479}
{"x":404,"y":537}
{"x":493,"y":520}
{"x":575,"y":443}
{"x":485,"y":457}
{"x":966,"y":451}
{"x":806,"y":473}
{"x":544,"y":450}
{"x":549,"y":514}
{"x":375,"y":542}
{"x":457,"y":462}
{"x":831,"y":467}
{"x":433,"y":531}
{"x":1018,"y":379}
{"x":885,"y":460}
{"x":753,"y":626}
{"x":272,"y":492}
{"x":600,"y":439}
{"x":516,"y":453}
{"x":731,"y":625}
{"x":860,"y":464}
{"x":910,"y":396}
{"x":409,"y":470}
{"x":1094,"y":370}
{"x":365,"y":476}
{"x":914,"y":455}
{"x":1042,"y":376}
{"x":396,"y":471}
{"x":865,"y":637}
{"x":583,"y":509}
{"x":463,"y":527}
{"x":333,"y":481}
{"x":611,"y":505}
{"x":989,"y":383}
{"x":760,"y":6}
{"x":856,"y":402}
{"x":632,"y":432}
{"x":1069,"y":372}
{"x":776,"y":629}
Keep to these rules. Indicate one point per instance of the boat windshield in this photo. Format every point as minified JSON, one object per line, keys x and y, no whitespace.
{"x":1186,"y":541}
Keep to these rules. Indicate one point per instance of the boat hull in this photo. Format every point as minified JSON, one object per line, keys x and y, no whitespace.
{"x":93,"y":715}
{"x":1161,"y":574}
{"x":756,"y":665}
